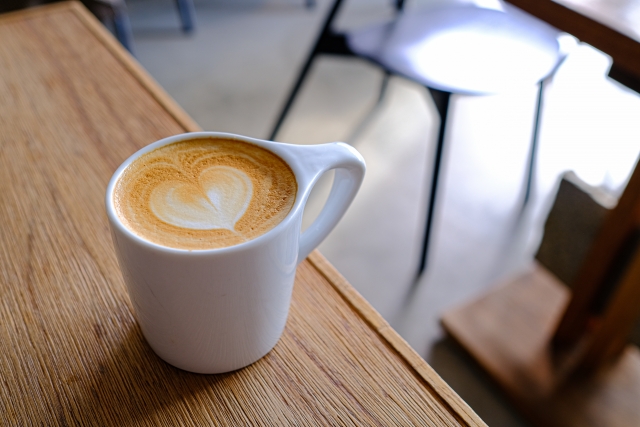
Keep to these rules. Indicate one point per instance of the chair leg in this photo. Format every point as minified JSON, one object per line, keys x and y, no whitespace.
{"x":516,"y":232}
{"x":122,"y":27}
{"x":187,"y":14}
{"x":533,"y":148}
{"x":325,"y":34}
{"x":441,"y":100}
{"x":292,"y":95}
{"x":383,"y":87}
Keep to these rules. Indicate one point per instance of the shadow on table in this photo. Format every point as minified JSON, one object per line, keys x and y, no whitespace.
{"x":473,"y":385}
{"x":137,"y":383}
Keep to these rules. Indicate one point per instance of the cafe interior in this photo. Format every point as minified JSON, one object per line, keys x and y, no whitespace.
{"x":476,"y":244}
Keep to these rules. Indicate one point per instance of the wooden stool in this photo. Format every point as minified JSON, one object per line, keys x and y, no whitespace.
{"x":562,"y":355}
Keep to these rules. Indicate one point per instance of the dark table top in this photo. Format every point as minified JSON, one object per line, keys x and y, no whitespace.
{"x":612,"y":26}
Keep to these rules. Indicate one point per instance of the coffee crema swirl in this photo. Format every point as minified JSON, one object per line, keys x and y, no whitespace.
{"x":204,"y":193}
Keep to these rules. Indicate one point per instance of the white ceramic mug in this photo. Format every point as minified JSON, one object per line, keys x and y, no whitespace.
{"x":217,"y":310}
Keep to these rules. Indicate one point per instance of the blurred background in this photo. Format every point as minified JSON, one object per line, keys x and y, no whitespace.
{"x":235,"y":70}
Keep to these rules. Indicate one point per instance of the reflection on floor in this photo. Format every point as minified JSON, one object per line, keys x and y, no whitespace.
{"x":233,"y":74}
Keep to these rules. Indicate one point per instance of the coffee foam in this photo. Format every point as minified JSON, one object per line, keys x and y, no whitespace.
{"x":204,"y":193}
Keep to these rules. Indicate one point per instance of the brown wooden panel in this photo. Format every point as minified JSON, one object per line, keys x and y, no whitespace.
{"x":607,"y":25}
{"x":614,"y":328}
{"x":508,"y":332}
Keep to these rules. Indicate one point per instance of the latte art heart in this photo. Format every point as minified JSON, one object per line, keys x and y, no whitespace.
{"x":219,"y":201}
{"x":204,"y":193}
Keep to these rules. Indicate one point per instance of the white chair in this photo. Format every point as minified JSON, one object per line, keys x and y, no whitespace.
{"x":457,"y":48}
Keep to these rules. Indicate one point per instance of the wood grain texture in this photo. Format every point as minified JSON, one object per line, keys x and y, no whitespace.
{"x":73,"y":106}
{"x":375,"y":321}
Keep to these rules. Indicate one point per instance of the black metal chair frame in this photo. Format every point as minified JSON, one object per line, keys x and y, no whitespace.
{"x":334,"y":43}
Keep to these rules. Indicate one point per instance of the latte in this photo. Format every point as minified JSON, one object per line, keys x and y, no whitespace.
{"x":204,"y":193}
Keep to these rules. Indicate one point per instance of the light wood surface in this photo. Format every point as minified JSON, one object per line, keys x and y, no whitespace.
{"x":508,"y":332}
{"x":73,"y":106}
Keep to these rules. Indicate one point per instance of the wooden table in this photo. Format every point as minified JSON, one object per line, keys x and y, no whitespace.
{"x":612,"y":26}
{"x":73,"y":106}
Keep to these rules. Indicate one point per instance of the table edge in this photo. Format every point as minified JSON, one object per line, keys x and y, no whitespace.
{"x":362,"y":308}
{"x":587,"y":29}
{"x":448,"y":397}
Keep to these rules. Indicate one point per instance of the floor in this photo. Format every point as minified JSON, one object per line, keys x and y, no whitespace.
{"x":234,"y":73}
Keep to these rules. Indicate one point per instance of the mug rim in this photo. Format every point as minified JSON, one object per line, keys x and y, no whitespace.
{"x":302,"y":191}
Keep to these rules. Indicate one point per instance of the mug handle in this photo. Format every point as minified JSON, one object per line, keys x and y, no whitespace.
{"x":350,"y":169}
